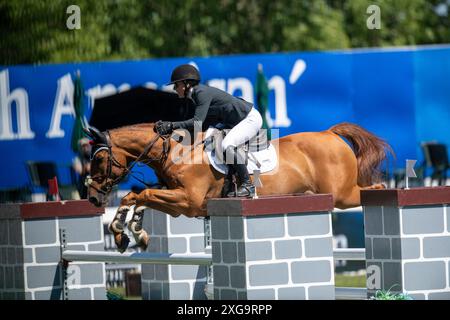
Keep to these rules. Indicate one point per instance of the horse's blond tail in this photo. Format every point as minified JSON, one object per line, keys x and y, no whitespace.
{"x":370,"y":151}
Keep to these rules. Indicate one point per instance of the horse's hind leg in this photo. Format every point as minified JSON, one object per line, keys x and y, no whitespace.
{"x":351,"y":200}
{"x":376,"y":186}
{"x":354,"y":197}
{"x":117,"y":226}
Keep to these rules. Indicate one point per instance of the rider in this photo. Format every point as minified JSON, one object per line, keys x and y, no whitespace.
{"x":235,"y":113}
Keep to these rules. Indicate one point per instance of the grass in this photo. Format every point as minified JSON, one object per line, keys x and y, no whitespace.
{"x":358,"y":280}
{"x":387,"y":295}
{"x":119,"y":293}
{"x":347,"y":280}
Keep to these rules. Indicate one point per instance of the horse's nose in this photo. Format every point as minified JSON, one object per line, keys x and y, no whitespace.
{"x":94,"y":201}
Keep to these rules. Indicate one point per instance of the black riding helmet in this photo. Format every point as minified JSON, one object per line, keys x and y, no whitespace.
{"x":184,"y":72}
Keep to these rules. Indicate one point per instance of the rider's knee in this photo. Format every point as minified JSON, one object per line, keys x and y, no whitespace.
{"x":228,"y":143}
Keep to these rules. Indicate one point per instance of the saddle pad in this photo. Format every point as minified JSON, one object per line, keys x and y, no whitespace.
{"x":267,"y":158}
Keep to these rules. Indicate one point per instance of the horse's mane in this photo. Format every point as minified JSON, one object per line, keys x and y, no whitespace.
{"x":136,"y":127}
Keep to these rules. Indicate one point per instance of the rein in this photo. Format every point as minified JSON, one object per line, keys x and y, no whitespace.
{"x":110,"y":182}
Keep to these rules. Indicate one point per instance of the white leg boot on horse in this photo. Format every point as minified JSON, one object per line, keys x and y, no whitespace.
{"x":117,"y":226}
{"x":135,"y":226}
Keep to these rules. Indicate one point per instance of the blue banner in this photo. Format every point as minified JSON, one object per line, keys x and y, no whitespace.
{"x":400,"y":95}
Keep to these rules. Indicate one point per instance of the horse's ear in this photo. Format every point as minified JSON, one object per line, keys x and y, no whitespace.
{"x":98,"y":136}
{"x":87,"y":132}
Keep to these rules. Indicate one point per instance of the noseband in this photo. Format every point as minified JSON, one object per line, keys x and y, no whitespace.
{"x":110,"y":181}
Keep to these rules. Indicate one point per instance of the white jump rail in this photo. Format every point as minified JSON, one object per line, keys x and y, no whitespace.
{"x":350,"y":293}
{"x":354,"y":254}
{"x":138,"y":257}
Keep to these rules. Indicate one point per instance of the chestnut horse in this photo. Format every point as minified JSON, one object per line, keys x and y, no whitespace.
{"x":311,"y":162}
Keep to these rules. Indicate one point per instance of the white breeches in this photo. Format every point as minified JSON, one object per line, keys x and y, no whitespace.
{"x":244,"y":130}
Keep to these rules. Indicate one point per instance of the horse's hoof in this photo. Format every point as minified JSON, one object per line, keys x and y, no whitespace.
{"x":122,"y":241}
{"x":143,"y":240}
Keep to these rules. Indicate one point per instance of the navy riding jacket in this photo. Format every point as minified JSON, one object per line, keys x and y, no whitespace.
{"x":213,"y":103}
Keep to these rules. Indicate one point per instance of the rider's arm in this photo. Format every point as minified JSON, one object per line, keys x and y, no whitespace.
{"x":203,"y":101}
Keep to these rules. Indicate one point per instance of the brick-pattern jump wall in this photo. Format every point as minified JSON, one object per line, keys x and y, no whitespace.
{"x":173,"y":235}
{"x":408,"y":241}
{"x":30,"y":250}
{"x":283,"y":253}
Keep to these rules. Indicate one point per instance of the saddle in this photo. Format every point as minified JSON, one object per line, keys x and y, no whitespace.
{"x":215,"y":135}
{"x":258,"y":152}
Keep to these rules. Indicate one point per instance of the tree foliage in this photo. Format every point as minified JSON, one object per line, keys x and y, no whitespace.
{"x":34,"y":31}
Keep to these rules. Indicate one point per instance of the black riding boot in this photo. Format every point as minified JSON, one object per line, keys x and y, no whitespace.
{"x":246,"y":189}
{"x":228,"y":185}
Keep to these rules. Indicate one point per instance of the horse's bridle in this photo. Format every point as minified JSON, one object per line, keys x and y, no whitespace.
{"x":110,"y":182}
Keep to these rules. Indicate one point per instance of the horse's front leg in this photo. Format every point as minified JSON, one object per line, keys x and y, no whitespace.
{"x":173,"y":202}
{"x":117,"y":226}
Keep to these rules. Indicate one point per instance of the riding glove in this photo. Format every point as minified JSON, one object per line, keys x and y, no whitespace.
{"x":164,"y":127}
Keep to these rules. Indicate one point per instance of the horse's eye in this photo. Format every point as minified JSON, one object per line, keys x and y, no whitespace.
{"x":97,"y":179}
